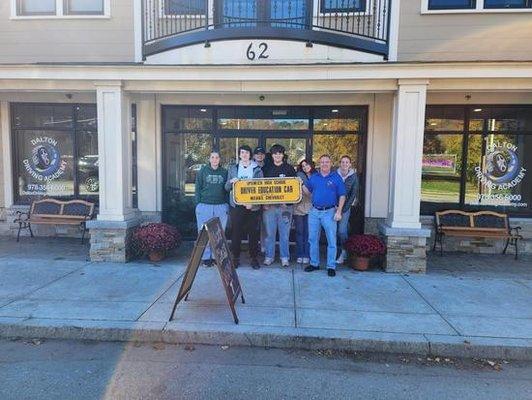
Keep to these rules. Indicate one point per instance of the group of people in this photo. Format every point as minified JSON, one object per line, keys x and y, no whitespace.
{"x":327,"y":201}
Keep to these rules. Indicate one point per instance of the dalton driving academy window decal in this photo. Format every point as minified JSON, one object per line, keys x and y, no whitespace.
{"x":45,"y":164}
{"x":502,"y":172}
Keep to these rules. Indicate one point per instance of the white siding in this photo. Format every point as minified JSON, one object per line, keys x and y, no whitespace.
{"x":68,"y":40}
{"x":463,"y":37}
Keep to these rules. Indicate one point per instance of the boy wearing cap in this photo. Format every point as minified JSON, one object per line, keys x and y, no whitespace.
{"x":278,"y":217}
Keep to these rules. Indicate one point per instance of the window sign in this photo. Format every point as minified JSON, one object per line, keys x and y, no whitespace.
{"x":56,"y":151}
{"x":482,"y":162}
{"x":47,"y":165}
{"x":500,"y":175}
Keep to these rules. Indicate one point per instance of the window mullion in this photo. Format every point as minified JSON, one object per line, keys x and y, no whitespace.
{"x":465,"y":155}
{"x":59,"y":8}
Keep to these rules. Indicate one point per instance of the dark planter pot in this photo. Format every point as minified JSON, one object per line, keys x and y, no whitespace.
{"x":360,"y":263}
{"x":157,"y":255}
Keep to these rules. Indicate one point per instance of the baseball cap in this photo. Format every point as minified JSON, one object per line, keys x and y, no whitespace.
{"x":258,"y":150}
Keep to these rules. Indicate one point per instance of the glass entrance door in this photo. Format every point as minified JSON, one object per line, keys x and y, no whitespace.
{"x":191,"y":132}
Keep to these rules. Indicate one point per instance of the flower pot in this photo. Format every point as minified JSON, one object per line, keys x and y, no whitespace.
{"x":360,"y":263}
{"x":157,"y":255}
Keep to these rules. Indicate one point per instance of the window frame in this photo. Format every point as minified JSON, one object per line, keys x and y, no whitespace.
{"x":479,"y":8}
{"x":60,"y":12}
{"x":429,"y":208}
{"x":74,"y":131}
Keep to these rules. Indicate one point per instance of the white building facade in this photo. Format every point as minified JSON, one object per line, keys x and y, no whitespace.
{"x":131,"y":96}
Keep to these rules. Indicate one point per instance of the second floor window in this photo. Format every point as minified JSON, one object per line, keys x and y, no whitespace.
{"x":83,"y":7}
{"x":60,"y":8}
{"x":451,"y":4}
{"x":478,"y":5}
{"x":36,"y":7}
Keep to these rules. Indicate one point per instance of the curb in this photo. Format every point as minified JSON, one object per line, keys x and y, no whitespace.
{"x":272,"y":337}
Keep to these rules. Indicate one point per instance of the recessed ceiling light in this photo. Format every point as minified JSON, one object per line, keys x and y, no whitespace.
{"x":203,"y":109}
{"x":334,"y":110}
{"x":433,"y":123}
{"x":477,"y":110}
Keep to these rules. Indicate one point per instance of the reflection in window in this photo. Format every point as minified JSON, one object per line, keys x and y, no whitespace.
{"x":266,"y":124}
{"x":445,"y":119}
{"x":296,"y":148}
{"x":441,"y":168}
{"x":176,"y":119}
{"x":185,"y":154}
{"x":335,"y":145}
{"x":229,"y":148}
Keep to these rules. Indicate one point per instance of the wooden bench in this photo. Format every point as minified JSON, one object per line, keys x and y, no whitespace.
{"x":481,"y":224}
{"x":55,"y":212}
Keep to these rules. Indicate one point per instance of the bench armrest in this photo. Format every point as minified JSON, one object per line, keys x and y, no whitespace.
{"x":22,"y":216}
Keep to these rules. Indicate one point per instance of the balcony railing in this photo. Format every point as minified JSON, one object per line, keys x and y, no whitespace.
{"x":354,"y":24}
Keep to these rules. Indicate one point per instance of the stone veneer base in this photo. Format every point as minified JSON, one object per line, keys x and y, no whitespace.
{"x":110,"y":240}
{"x":405,"y":249}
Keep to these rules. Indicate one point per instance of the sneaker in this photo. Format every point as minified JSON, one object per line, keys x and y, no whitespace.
{"x":310,"y":268}
{"x":268,"y":261}
{"x":255,"y":263}
{"x":236,"y":262}
{"x":299,"y":260}
{"x":331,"y":272}
{"x":305,"y":260}
{"x":341,"y":259}
{"x":284,"y":262}
{"x":207,"y":263}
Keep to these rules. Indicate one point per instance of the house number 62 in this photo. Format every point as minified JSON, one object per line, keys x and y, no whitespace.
{"x":252,"y":55}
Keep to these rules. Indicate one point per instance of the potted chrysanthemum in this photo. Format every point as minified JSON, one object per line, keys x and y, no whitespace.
{"x":156,"y":240}
{"x":362,"y":248}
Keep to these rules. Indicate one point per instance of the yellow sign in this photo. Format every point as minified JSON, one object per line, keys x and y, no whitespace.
{"x":267,"y":191}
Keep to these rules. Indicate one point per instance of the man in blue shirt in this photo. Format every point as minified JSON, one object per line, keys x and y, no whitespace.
{"x":328,"y":198}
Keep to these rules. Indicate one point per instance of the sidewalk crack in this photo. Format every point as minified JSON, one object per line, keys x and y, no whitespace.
{"x":430,"y":305}
{"x":294,"y":297}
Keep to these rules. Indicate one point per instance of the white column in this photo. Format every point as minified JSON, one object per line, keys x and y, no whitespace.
{"x":5,"y":151}
{"x":406,"y":154}
{"x":114,"y":152}
{"x":147,"y":153}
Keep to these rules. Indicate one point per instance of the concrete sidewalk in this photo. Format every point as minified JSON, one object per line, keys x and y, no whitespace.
{"x":466,"y":305}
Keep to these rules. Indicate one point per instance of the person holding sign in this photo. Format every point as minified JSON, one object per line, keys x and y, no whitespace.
{"x":211,"y":197}
{"x":328,"y":198}
{"x":350,"y":178}
{"x":244,"y":218}
{"x":277,"y":217}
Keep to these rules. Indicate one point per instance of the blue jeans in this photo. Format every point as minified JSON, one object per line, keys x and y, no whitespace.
{"x":205,"y":212}
{"x":277,"y":218}
{"x":343,"y":227}
{"x":316,"y":220}
{"x":302,"y":246}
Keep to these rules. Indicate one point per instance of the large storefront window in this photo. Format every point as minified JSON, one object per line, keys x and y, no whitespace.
{"x":56,"y":151}
{"x":190,"y":132}
{"x":478,"y":157}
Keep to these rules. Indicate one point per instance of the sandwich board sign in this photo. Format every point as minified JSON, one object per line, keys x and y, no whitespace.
{"x":212,"y":234}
